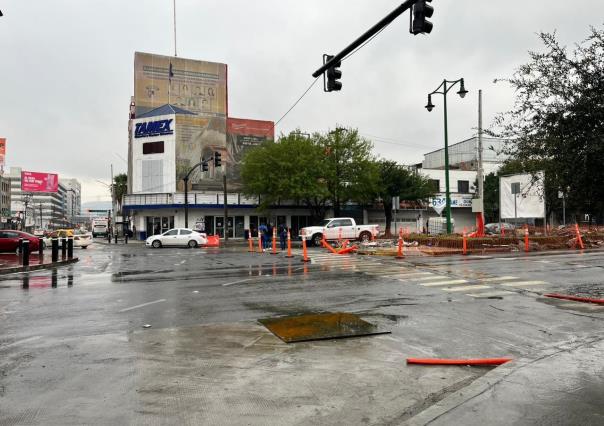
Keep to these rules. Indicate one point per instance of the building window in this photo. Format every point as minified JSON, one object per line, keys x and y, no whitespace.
{"x":463,"y":186}
{"x":153,"y":147}
{"x":435,"y":185}
{"x":152,"y":176}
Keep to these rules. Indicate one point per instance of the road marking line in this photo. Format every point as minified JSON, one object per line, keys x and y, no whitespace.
{"x":490,"y":294}
{"x":141,"y":305}
{"x":467,"y":287}
{"x":412,"y":274}
{"x":523,"y":283}
{"x":432,"y":278}
{"x":505,"y":278}
{"x":589,"y":306}
{"x":444,"y":283}
{"x":238,"y":281}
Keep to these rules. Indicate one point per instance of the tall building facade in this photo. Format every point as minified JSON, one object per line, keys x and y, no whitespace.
{"x":43,"y":210}
{"x":5,"y":197}
{"x":179,"y":116}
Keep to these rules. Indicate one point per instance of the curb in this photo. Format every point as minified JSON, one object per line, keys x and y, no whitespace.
{"x":17,"y":269}
{"x":488,"y":381}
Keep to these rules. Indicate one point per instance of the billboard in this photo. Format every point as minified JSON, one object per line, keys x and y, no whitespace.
{"x":528,"y":194}
{"x":2,"y":154}
{"x":197,"y":86}
{"x":39,"y":182}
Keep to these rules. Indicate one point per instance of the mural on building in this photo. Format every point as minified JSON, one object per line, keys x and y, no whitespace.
{"x":197,"y":86}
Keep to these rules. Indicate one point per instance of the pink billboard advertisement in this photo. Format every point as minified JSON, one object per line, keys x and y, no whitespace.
{"x":39,"y":182}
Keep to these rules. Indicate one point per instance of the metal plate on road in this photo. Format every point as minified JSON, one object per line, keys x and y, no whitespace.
{"x":330,"y":325}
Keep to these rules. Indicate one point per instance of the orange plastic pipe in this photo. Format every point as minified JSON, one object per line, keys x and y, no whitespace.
{"x":575,"y":298}
{"x":471,"y":361}
{"x":328,"y":246}
{"x":579,"y":236}
{"x":347,"y":250}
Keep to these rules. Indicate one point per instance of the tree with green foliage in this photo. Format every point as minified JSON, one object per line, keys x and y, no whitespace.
{"x":120,"y":188}
{"x":349,"y":168}
{"x":396,"y":180}
{"x":557,"y":123}
{"x":319,"y":171}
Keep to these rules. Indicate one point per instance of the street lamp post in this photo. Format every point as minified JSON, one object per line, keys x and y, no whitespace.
{"x":447,"y":85}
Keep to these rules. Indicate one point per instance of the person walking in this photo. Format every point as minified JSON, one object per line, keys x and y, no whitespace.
{"x":262,"y":230}
{"x":283,"y":237}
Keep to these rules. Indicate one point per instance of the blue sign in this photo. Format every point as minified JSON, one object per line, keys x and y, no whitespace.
{"x":153,"y":128}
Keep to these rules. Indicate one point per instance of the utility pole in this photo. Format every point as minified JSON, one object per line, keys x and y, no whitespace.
{"x":112,"y":187}
{"x":226,"y":210}
{"x":480,"y":169}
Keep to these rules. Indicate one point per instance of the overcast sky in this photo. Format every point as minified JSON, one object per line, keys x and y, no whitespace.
{"x":66,"y":74}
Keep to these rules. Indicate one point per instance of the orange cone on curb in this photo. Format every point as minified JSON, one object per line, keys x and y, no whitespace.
{"x":289,"y":243}
{"x":304,"y":251}
{"x":399,"y":253}
{"x":526,"y":239}
{"x":259,"y":242}
{"x":274,"y":250}
{"x":250,"y":241}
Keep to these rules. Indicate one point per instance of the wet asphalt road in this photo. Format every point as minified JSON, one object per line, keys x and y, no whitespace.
{"x":79,"y":353}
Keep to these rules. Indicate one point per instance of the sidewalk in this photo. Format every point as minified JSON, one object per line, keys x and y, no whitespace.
{"x":11,"y":263}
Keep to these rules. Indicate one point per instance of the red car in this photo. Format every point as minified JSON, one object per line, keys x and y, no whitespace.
{"x":9,"y":240}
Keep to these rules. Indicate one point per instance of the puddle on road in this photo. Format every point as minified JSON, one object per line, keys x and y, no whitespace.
{"x":308,"y":327}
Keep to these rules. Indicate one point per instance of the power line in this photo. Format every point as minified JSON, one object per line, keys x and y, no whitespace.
{"x":296,"y":103}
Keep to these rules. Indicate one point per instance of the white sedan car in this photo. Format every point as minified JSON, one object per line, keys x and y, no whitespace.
{"x":178,"y":237}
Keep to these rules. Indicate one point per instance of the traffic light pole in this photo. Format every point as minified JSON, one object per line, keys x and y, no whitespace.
{"x":186,"y":179}
{"x":366,"y":36}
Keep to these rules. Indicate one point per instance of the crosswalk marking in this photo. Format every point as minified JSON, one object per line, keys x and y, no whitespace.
{"x":443,"y":283}
{"x":414,"y":275}
{"x":467,"y":287}
{"x":495,"y":279}
{"x":432,"y":278}
{"x":490,"y":294}
{"x":523,"y":283}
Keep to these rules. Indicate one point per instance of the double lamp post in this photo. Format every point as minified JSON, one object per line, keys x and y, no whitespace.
{"x":443,"y":89}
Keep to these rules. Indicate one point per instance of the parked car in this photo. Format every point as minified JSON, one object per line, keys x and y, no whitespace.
{"x":9,"y":240}
{"x":495,"y":228}
{"x":177,"y":237}
{"x":344,"y":227}
{"x":80,"y":239}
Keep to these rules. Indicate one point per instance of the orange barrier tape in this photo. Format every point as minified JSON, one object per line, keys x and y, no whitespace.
{"x":575,"y":298}
{"x":471,"y":361}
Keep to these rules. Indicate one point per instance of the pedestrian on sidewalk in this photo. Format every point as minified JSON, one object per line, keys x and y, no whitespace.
{"x":263,"y":230}
{"x":283,"y":237}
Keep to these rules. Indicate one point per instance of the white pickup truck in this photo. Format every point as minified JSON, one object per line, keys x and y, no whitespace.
{"x":339,"y":227}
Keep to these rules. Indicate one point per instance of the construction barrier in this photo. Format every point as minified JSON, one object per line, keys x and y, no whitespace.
{"x":213,"y":241}
{"x":304,"y":251}
{"x":399,"y":253}
{"x":274,"y":248}
{"x":471,"y":361}
{"x":289,"y":244}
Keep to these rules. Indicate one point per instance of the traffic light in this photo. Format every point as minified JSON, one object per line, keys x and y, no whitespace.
{"x":217,"y":159}
{"x":333,"y":75}
{"x":421,"y":11}
{"x":204,"y":166}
